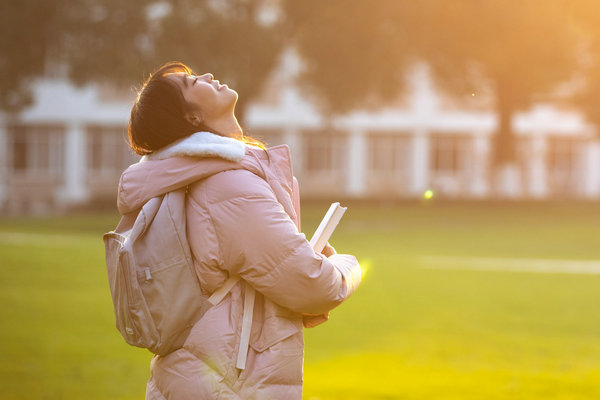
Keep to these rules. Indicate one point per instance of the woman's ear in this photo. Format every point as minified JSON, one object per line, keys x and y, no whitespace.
{"x":194,"y":119}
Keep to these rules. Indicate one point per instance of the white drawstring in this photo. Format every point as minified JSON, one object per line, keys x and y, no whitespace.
{"x":249,"y":295}
{"x":246,"y":326}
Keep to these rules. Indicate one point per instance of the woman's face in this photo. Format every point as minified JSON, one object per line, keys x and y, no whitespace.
{"x":208,"y":99}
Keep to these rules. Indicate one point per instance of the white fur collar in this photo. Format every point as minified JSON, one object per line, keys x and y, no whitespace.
{"x":204,"y":144}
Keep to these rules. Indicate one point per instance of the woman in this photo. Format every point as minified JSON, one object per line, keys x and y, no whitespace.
{"x":242,"y":213}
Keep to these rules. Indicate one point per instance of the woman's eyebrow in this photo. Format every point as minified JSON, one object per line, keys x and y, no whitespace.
{"x":185,"y":80}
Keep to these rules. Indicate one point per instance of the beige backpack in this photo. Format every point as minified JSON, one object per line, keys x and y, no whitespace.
{"x":155,"y":290}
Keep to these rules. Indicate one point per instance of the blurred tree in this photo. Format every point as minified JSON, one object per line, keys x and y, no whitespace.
{"x":85,"y":40}
{"x":585,"y":15}
{"x":519,"y":49}
{"x":357,"y":51}
{"x":120,"y":42}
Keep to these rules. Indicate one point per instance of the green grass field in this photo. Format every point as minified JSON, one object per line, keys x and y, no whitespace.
{"x":412,"y":331}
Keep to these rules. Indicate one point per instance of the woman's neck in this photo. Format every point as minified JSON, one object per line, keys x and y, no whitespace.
{"x":226,"y":126}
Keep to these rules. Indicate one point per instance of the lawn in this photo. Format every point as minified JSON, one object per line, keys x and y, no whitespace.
{"x":413,"y":330}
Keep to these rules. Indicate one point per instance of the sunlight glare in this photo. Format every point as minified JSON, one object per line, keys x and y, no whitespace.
{"x":365,"y":267}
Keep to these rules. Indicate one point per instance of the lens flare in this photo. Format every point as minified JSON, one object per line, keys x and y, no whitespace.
{"x":365,"y":267}
{"x":428,"y":195}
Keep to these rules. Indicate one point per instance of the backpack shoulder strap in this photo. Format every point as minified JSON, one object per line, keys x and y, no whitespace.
{"x":145,"y":217}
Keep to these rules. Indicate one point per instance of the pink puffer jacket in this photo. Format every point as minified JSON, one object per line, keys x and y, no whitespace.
{"x":242,"y":218}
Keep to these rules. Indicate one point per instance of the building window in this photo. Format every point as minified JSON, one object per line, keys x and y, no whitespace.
{"x":107,"y":150}
{"x":389,"y":153}
{"x":36,"y":150}
{"x":324,"y":152}
{"x":446,"y":153}
{"x":562,"y":157}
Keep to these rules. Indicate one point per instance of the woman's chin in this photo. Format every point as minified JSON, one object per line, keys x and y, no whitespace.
{"x":234,"y":97}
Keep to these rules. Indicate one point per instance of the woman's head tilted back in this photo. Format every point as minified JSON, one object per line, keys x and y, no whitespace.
{"x":173,"y":103}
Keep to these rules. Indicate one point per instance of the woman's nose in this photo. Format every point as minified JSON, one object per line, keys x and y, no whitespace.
{"x":207,"y":77}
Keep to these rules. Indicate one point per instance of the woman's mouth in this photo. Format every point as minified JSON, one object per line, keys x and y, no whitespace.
{"x":219,"y":86}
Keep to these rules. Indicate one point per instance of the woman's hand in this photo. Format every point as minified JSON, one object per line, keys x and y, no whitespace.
{"x":328,"y":250}
{"x":311,"y":320}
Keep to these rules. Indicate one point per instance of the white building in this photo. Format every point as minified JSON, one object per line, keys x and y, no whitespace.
{"x":70,"y":147}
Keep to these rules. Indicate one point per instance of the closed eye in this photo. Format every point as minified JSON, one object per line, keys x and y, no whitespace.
{"x":195,"y":80}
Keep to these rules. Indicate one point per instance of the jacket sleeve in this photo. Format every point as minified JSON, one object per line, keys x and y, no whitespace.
{"x":259,"y":241}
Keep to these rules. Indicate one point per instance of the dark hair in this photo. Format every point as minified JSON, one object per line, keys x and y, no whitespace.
{"x":158,"y":114}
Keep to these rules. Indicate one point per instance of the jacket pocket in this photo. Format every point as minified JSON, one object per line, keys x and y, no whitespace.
{"x":274,"y":331}
{"x":276,"y":355}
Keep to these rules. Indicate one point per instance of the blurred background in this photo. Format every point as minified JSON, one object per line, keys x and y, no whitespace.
{"x":467,"y":99}
{"x":463,"y":134}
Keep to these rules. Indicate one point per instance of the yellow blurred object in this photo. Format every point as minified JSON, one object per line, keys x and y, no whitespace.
{"x":428,"y":194}
{"x":365,"y":267}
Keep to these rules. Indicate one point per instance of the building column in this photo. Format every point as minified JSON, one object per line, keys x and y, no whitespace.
{"x":420,"y":163}
{"x":591,"y":170}
{"x":537,"y":173}
{"x":479,"y":168}
{"x":3,"y":163}
{"x":74,"y":189}
{"x":357,"y":163}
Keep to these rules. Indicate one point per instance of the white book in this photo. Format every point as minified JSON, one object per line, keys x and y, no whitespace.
{"x":327,"y":226}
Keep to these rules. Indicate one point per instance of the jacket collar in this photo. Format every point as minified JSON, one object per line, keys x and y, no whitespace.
{"x":202,"y":144}
{"x":188,"y":160}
